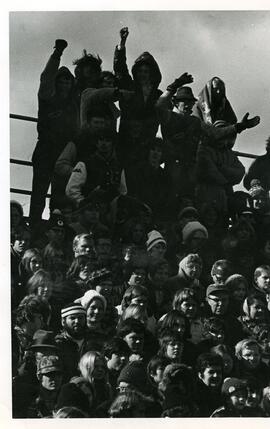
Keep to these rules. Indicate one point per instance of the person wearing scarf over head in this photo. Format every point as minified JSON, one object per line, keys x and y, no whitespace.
{"x":213,"y":105}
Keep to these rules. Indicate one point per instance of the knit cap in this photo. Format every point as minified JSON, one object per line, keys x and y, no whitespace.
{"x":232,"y":385}
{"x":135,"y":374}
{"x":154,"y":237}
{"x":71,"y":309}
{"x":191,"y":227}
{"x":89,"y":296}
{"x":216,"y":288}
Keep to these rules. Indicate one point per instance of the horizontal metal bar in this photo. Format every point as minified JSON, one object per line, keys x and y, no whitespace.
{"x":24,"y":192}
{"x":245,"y":155}
{"x":20,"y":162}
{"x":23,"y":118}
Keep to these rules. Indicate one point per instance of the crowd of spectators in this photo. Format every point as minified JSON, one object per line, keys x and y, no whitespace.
{"x":147,"y":291}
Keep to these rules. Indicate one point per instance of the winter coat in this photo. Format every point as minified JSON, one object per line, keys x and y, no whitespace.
{"x":207,"y":399}
{"x":217,"y":171}
{"x":58,"y":119}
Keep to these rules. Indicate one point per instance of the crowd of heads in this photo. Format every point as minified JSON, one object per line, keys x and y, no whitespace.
{"x":147,"y":291}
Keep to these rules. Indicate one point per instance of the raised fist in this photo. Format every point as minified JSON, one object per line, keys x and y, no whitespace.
{"x":60,"y":45}
{"x":180,"y":81}
{"x":124,"y":33}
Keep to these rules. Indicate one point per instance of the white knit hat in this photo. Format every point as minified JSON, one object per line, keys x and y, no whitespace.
{"x":89,"y":296}
{"x":154,"y":237}
{"x":191,"y":227}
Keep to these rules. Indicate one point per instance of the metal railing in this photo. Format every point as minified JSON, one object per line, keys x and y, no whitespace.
{"x":30,"y":164}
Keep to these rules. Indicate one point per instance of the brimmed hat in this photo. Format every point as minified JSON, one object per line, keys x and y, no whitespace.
{"x":213,"y":289}
{"x":43,"y":339}
{"x":49,"y":364}
{"x":232,"y":385}
{"x":184,"y":93}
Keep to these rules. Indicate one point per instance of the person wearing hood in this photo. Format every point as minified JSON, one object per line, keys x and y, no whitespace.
{"x":213,"y":105}
{"x":58,"y":121}
{"x":182,"y":131}
{"x":139,"y":109}
{"x":218,"y":170}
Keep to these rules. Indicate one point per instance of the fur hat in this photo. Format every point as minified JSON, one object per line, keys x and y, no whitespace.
{"x":154,"y":237}
{"x":49,"y":364}
{"x":190,"y":228}
{"x":232,"y":385}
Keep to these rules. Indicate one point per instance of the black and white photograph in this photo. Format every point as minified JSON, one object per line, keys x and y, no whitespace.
{"x":138,"y":178}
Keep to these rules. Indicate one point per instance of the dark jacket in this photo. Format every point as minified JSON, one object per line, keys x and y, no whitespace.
{"x":208,"y":400}
{"x":137,"y":108}
{"x":259,"y":169}
{"x":58,"y":119}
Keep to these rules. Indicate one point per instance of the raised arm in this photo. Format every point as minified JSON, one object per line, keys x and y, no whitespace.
{"x":164,"y":102}
{"x":47,"y":77}
{"x":120,"y":61}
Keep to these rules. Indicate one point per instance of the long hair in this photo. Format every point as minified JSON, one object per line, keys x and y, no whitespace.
{"x":26,"y":259}
{"x":87,"y":364}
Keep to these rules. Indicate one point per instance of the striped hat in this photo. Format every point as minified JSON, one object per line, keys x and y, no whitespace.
{"x":154,"y":237}
{"x":71,"y":309}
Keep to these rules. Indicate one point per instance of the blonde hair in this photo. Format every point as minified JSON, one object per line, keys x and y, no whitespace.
{"x":87,"y":364}
{"x":134,"y":311}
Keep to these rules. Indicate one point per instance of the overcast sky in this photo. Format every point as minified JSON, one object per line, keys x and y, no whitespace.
{"x":232,"y":45}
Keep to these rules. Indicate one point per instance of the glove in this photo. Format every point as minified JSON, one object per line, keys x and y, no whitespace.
{"x":124,"y":33}
{"x":180,"y":81}
{"x":247,"y":123}
{"x":60,"y":45}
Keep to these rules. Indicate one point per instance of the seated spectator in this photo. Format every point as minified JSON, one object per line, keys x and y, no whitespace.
{"x":83,"y":244}
{"x":88,"y":390}
{"x":40,"y":284}
{"x":217,"y":298}
{"x":155,"y":370}
{"x":249,"y":363}
{"x":79,"y":272}
{"x":209,"y":370}
{"x":221,"y":270}
{"x":176,"y":348}
{"x":262,"y":279}
{"x":234,"y":393}
{"x":156,"y":284}
{"x":30,"y":263}
{"x":255,"y":313}
{"x":187,"y":303}
{"x":20,"y":240}
{"x":254,"y":398}
{"x":16,"y":215}
{"x":238,"y":288}
{"x":116,"y":353}
{"x":141,"y":342}
{"x":156,"y":245}
{"x":261,"y":333}
{"x":227,"y":356}
{"x":49,"y":373}
{"x":189,"y":271}
{"x":95,"y":305}
{"x":177,"y":390}
{"x":88,"y":221}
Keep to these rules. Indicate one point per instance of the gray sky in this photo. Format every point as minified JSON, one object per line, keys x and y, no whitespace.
{"x":232,"y":45}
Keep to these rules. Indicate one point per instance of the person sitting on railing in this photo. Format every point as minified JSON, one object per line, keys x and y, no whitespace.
{"x":58,"y":121}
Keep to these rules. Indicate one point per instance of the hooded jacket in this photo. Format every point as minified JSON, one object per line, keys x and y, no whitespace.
{"x":208,"y":112}
{"x":58,"y":119}
{"x":138,"y":107}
